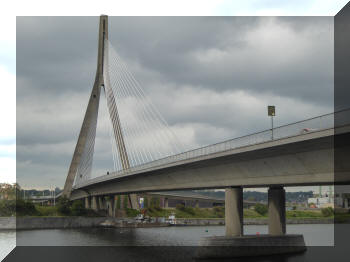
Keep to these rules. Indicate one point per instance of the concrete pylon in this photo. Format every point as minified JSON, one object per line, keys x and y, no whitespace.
{"x":234,"y":211}
{"x":91,"y":108}
{"x":277,"y":210}
{"x":166,"y":203}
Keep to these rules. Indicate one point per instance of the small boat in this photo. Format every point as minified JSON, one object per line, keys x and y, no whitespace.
{"x":171,"y":220}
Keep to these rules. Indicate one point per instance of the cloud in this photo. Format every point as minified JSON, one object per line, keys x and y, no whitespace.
{"x":8,"y":127}
{"x":210,"y":77}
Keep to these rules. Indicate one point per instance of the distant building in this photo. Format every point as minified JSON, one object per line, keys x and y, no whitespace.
{"x":321,"y":202}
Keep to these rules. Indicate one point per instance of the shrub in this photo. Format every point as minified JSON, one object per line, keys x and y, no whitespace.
{"x":119,"y":200}
{"x":155,"y":202}
{"x":25,"y":208}
{"x":78,"y":208}
{"x":125,"y":203}
{"x":261,"y":209}
{"x":327,"y":212}
{"x":63,"y":206}
{"x":145,"y":203}
{"x":189,"y":210}
{"x":132,"y":212}
{"x":7,"y":208}
{"x":180,"y":207}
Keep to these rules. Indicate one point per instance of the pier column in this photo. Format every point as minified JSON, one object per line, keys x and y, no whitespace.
{"x":87,"y":202}
{"x":100,"y":202}
{"x":166,"y":203}
{"x":277,"y":210}
{"x":234,"y":211}
{"x":95,"y":203}
{"x":111,"y":208}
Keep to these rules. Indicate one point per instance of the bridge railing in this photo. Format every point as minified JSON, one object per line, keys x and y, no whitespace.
{"x":311,"y":125}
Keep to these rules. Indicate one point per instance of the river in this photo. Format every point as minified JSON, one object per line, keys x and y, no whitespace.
{"x":314,"y":235}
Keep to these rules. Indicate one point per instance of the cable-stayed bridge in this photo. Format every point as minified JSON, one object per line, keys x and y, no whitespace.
{"x":148,"y":157}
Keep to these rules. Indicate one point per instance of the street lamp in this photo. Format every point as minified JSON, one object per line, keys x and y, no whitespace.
{"x":271,"y":112}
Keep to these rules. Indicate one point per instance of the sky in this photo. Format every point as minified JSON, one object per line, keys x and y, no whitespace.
{"x":222,"y":72}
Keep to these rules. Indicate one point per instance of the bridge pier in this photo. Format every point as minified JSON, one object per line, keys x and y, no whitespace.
{"x":95,"y":204}
{"x":166,"y":202}
{"x":100,"y":202}
{"x":87,"y":202}
{"x":234,"y":211}
{"x":277,"y":210}
{"x":133,"y":201}
{"x":111,"y":208}
{"x":235,"y":244}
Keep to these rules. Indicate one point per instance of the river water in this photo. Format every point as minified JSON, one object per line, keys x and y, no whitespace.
{"x":314,"y":235}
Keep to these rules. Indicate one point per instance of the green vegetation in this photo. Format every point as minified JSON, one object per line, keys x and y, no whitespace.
{"x":145,"y":203}
{"x":132,"y":212}
{"x":155,"y":202}
{"x":26,"y":208}
{"x":125,"y":202}
{"x":7,"y":208}
{"x":304,"y":214}
{"x":48,"y":211}
{"x":261,"y":209}
{"x":327,"y":212}
{"x":64,"y":206}
{"x":119,"y":201}
{"x":78,"y":208}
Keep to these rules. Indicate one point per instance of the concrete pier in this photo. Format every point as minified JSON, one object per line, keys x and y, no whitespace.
{"x":87,"y":203}
{"x":234,"y":211}
{"x":95,"y":204}
{"x":133,"y":201}
{"x":277,"y":210}
{"x":101,"y":203}
{"x":111,"y":206}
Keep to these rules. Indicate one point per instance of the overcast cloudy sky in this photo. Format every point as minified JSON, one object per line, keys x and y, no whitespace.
{"x":211,"y":78}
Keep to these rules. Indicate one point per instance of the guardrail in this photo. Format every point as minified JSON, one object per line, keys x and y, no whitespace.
{"x":314,"y":124}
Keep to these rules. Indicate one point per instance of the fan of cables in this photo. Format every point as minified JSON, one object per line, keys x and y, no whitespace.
{"x":139,"y":134}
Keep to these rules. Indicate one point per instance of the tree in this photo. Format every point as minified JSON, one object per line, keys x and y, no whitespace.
{"x":145,"y":203}
{"x":119,"y":200}
{"x":78,"y":208}
{"x":125,"y":204}
{"x":63,"y":206}
{"x":261,"y":209}
{"x":25,"y":208}
{"x":327,"y":212}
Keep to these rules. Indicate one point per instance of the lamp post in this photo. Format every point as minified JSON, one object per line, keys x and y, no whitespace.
{"x":271,"y":112}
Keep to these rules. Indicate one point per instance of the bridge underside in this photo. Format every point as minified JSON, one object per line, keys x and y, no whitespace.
{"x":300,"y":163}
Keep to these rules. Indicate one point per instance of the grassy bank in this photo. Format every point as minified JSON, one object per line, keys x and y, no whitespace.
{"x":219,"y":212}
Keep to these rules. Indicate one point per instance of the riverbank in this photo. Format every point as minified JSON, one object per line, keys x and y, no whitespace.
{"x":83,"y":222}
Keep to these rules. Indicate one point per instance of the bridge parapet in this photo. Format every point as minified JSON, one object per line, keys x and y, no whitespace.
{"x":298,"y":129}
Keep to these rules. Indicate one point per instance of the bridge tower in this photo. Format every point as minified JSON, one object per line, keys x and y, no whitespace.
{"x":92,"y":112}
